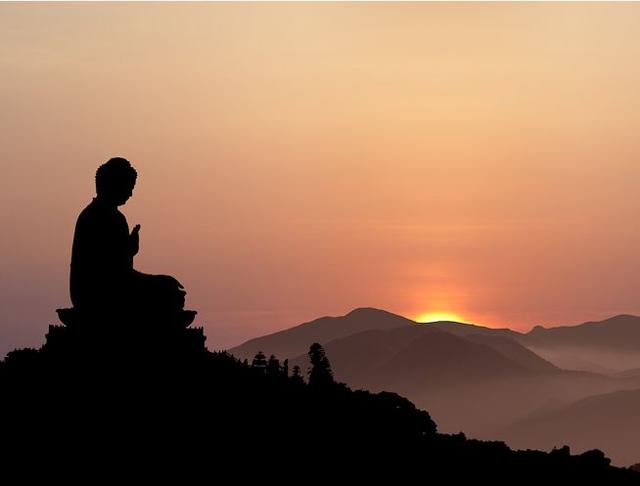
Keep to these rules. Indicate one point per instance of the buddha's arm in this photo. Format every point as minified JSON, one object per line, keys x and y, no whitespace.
{"x":134,"y":240}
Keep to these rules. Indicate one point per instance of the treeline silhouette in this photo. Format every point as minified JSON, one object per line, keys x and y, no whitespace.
{"x":115,"y":394}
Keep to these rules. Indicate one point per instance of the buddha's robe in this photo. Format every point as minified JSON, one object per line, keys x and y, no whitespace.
{"x":102,"y":276}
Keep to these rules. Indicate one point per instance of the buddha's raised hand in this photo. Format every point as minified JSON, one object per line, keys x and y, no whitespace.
{"x":134,"y":239}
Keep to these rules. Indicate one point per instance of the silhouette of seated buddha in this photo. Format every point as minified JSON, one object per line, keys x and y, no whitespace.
{"x":103,"y":281}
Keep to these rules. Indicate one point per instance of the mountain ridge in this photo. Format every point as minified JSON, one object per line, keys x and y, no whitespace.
{"x":293,"y":341}
{"x":618,"y":334}
{"x":609,"y":419}
{"x":470,"y":377}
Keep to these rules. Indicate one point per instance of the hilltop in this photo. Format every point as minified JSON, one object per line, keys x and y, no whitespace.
{"x":165,"y":394}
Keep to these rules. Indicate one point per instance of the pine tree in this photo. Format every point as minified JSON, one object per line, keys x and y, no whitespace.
{"x":285,"y":368}
{"x":273,"y":366}
{"x":296,"y":376}
{"x":259,"y":361}
{"x":320,"y":373}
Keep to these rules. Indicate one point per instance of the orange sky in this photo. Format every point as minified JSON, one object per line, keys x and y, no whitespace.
{"x":300,"y":160}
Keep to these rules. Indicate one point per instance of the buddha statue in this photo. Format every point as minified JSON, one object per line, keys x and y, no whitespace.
{"x":103,"y":280}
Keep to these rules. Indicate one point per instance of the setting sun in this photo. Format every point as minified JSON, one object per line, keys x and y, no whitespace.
{"x":438,"y":316}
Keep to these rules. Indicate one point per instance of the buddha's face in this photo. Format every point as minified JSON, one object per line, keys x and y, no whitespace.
{"x":123,"y":194}
{"x":119,"y":194}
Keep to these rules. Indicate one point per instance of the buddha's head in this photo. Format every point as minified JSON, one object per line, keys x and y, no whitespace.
{"x":115,"y":180}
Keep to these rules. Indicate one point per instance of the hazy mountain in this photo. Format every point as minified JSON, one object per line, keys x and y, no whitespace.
{"x":464,"y":329}
{"x":620,"y":333}
{"x":296,"y":340}
{"x":438,"y":359}
{"x":484,"y":409}
{"x":610,"y":422}
{"x":424,"y":356}
{"x":607,"y":346}
{"x":477,"y":384}
{"x":635,"y":372}
{"x":514,"y":351}
{"x":471,"y":378}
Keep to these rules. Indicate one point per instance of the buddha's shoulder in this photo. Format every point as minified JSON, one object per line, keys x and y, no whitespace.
{"x":95,"y":213}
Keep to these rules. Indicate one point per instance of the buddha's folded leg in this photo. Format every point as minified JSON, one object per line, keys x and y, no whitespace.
{"x":157,"y":293}
{"x":170,"y":292}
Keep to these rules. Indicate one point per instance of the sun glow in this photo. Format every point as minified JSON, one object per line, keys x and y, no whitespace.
{"x":438,"y":316}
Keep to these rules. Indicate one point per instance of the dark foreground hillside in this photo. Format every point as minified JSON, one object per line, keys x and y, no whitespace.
{"x":159,"y":400}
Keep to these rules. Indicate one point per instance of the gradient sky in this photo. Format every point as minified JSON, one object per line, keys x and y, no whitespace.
{"x":301,"y":160}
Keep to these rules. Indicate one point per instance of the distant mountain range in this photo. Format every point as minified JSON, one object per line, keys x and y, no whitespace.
{"x":427,"y":357}
{"x":486,"y":382}
{"x":295,"y":341}
{"x":610,"y":422}
{"x":619,"y":333}
{"x":610,"y":345}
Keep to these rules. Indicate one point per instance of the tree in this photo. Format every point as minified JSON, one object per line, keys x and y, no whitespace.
{"x":296,"y":376}
{"x":259,"y":361}
{"x":285,"y":368}
{"x":273,"y":366}
{"x":320,"y":373}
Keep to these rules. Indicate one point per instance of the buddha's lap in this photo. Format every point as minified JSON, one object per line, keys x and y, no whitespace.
{"x":154,"y":290}
{"x":139,"y":293}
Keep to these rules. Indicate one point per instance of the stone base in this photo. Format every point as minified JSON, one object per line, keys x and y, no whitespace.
{"x":74,"y":318}
{"x":125,"y":338}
